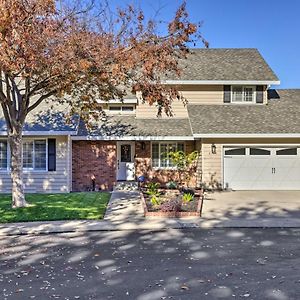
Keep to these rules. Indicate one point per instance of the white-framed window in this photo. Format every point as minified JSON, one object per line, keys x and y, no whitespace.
{"x":242,"y":94}
{"x":3,"y":155}
{"x":35,"y":155}
{"x":121,"y":109}
{"x":160,"y":152}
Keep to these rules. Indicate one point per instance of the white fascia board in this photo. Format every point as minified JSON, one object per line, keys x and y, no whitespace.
{"x":42,"y":133}
{"x":223,"y":82}
{"x":132,"y":138}
{"x":118,"y":101}
{"x":248,"y":135}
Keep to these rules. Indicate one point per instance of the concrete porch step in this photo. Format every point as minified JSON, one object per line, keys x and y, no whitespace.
{"x":126,"y":186}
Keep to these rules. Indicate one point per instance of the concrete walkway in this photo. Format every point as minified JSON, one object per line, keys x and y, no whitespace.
{"x":125,"y":212}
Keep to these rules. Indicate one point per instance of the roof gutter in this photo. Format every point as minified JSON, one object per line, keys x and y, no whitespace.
{"x":42,"y":133}
{"x":223,"y":82}
{"x":247,"y":135}
{"x":132,"y":138}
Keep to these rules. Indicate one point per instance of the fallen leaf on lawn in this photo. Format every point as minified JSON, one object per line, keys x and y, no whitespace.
{"x":185,"y":287}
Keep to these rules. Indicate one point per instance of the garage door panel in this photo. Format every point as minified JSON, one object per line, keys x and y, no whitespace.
{"x":287,"y":173}
{"x":278,"y":171}
{"x":234,"y":167}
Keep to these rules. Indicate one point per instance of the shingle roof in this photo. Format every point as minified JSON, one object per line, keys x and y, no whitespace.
{"x":121,"y":126}
{"x":47,"y":118}
{"x":280,"y":115}
{"x":225,"y":64}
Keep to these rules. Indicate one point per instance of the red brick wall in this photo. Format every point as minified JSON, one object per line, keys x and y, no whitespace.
{"x":93,"y":158}
{"x":143,"y":165}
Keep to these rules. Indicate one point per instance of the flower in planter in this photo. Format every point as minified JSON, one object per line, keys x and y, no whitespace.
{"x":172,"y":205}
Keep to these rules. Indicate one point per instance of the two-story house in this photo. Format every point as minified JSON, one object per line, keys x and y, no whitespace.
{"x":247,"y":135}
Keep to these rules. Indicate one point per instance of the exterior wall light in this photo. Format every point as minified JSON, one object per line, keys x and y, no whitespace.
{"x":213,"y":149}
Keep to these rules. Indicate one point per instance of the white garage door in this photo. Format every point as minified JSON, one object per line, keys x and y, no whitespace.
{"x":262,"y":168}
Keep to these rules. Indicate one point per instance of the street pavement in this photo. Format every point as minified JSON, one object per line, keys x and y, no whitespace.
{"x":224,"y":263}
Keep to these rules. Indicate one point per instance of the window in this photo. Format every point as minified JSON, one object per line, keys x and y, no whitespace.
{"x":40,"y":154}
{"x":115,"y":108}
{"x":35,"y":155}
{"x":126,"y":153}
{"x":238,"y":151}
{"x":121,"y":108}
{"x":288,"y":151}
{"x":28,"y":155}
{"x":242,"y":94}
{"x":257,"y":151}
{"x":3,"y":155}
{"x":160,"y":153}
{"x":127,"y":108}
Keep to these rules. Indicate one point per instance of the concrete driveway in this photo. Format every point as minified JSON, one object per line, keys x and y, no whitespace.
{"x":260,"y":208}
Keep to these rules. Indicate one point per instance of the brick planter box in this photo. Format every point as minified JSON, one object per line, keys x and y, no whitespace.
{"x":171,"y":214}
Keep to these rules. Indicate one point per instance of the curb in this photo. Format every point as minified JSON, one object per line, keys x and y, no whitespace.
{"x":155,"y":224}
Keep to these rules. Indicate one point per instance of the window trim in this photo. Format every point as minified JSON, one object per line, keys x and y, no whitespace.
{"x":159,"y":153}
{"x":253,"y":87}
{"x":27,"y":170}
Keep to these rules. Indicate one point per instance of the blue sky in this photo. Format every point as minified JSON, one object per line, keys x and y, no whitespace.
{"x":271,"y":26}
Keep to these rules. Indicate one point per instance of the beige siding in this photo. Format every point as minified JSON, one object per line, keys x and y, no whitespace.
{"x":45,"y":182}
{"x":144,"y":110}
{"x":212,"y":168}
{"x":202,"y":94}
{"x":194,"y":94}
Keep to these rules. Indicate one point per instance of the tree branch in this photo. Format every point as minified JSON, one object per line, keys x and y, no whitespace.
{"x":40,"y":100}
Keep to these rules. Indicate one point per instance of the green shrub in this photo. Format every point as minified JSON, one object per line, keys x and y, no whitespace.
{"x":187,"y":197}
{"x":171,"y":185}
{"x":152,"y":191}
{"x":152,"y":188}
{"x":155,"y":201}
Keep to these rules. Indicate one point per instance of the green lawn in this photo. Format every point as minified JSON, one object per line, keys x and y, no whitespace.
{"x":46,"y":207}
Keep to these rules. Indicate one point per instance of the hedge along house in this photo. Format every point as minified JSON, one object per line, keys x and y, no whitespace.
{"x":247,"y":134}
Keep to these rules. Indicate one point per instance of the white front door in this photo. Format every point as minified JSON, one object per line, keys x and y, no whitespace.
{"x":125,"y":163}
{"x":261,"y":168}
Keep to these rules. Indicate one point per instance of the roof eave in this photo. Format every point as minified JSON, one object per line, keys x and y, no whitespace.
{"x":223,"y":82}
{"x":42,"y":133}
{"x":246,"y":135}
{"x":132,"y":138}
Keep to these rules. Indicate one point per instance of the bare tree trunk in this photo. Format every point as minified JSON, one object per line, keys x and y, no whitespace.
{"x":16,"y":164}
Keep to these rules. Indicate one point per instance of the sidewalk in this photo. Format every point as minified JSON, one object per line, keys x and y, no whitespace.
{"x":125,"y":212}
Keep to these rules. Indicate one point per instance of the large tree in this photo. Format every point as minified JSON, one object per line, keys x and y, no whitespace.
{"x":49,"y":49}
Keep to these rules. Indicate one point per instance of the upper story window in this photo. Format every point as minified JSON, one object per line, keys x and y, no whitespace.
{"x":242,"y":94}
{"x":121,"y":109}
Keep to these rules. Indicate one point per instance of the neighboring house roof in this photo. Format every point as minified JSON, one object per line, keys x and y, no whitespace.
{"x":116,"y":127}
{"x":279,"y":116}
{"x":47,"y":119}
{"x":225,"y":65}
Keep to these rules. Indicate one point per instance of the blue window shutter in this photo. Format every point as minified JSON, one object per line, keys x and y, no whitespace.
{"x":227,"y":94}
{"x":51,"y":155}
